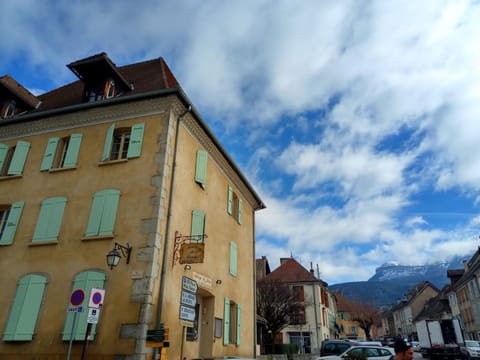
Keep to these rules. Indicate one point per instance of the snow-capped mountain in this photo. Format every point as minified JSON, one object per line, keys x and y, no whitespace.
{"x":435,"y":273}
{"x":392,"y":281}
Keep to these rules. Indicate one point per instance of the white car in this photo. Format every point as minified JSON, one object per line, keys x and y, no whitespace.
{"x":471,"y":350}
{"x":372,"y":353}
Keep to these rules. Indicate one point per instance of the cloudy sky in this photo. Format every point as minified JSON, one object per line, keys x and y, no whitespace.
{"x":357,"y":122}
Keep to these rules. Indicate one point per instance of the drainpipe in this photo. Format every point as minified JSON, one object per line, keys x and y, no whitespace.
{"x":316,"y":315}
{"x":254,"y":292}
{"x":169,"y":215}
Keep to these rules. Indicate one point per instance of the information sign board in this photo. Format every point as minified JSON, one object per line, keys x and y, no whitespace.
{"x":187,"y":313}
{"x":189,"y":285}
{"x":188,"y":298}
{"x":93,"y":316}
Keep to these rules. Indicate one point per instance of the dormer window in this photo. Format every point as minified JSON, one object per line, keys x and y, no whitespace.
{"x":101,"y":77}
{"x":94,"y":93}
{"x":8,"y":109}
{"x":109,"y":89}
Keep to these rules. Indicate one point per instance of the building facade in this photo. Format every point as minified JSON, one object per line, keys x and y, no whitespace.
{"x":119,"y":162}
{"x":313,"y":320}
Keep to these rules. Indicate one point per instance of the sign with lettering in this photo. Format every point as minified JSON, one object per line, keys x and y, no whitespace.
{"x":187,"y":313}
{"x":93,"y":315}
{"x":202,"y":280}
{"x":189,"y":285}
{"x":192,"y":253}
{"x":188,"y":298}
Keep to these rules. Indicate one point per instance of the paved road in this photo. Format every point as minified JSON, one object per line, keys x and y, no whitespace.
{"x":417,"y":356}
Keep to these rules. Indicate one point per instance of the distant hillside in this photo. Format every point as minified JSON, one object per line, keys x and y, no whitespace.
{"x":392,"y":281}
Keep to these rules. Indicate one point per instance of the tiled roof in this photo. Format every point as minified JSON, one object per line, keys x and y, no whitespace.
{"x":343,"y":304}
{"x":14,"y":87}
{"x":291,"y":271}
{"x":144,"y":76}
{"x":418,"y":289}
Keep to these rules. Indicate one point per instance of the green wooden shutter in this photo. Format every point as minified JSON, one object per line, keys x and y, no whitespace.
{"x":3,"y":155}
{"x":198,"y":223}
{"x":226,"y":321}
{"x":84,"y":281}
{"x":12,"y":222}
{"x":233,"y":258}
{"x":49,"y":219}
{"x":72,"y":151}
{"x":239,"y":211}
{"x":103,"y":213}
{"x":109,"y":212}
{"x":230,"y":200}
{"x":26,"y":306}
{"x":49,"y":155}
{"x":136,"y":137}
{"x":239,"y":323}
{"x":108,"y":143}
{"x":95,"y":219}
{"x":201,"y":168}
{"x":19,"y":157}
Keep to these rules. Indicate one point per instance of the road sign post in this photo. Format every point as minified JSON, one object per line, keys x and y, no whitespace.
{"x":76,"y":301}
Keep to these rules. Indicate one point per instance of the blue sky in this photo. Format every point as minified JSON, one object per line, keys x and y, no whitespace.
{"x":356,"y":121}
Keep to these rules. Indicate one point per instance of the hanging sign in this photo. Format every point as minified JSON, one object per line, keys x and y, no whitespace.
{"x":192,"y":253}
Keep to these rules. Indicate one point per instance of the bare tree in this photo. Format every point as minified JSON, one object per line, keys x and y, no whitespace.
{"x":276,"y":302}
{"x":366,"y":315}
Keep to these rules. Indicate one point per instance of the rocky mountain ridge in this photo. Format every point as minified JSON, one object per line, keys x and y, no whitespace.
{"x":392,"y":281}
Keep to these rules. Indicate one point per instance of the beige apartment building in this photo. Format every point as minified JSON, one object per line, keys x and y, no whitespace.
{"x":119,"y":162}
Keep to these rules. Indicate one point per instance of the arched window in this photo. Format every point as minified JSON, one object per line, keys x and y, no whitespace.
{"x":84,"y":281}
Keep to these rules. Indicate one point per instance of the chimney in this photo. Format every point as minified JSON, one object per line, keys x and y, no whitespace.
{"x":283,"y":260}
{"x":311,"y":269}
{"x":465,"y":265}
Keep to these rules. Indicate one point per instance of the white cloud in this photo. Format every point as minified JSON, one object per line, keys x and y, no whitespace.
{"x":345,"y":110}
{"x":415,"y":221}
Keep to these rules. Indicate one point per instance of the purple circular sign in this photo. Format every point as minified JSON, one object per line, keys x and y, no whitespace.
{"x":77,"y":297}
{"x":97,"y":298}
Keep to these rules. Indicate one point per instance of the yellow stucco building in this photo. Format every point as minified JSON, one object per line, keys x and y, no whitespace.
{"x":121,"y":162}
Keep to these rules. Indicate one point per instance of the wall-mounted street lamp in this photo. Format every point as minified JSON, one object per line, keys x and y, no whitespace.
{"x":113,"y":257}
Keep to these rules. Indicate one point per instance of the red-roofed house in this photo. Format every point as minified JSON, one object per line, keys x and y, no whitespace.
{"x":315,"y":320}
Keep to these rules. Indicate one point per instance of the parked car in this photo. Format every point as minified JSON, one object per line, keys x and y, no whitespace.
{"x":388,"y":341}
{"x":471,"y":349}
{"x":335,"y":347}
{"x":372,"y":352}
{"x":415,"y":345}
{"x":373,"y":343}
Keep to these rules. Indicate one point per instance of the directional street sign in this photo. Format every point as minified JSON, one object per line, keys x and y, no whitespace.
{"x":189,"y":284}
{"x":187,"y":313}
{"x":188,"y":298}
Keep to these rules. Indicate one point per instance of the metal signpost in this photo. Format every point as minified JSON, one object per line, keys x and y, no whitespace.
{"x":95,"y":303}
{"x":76,"y":300}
